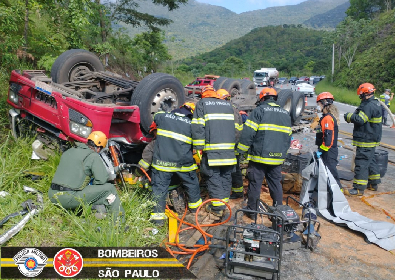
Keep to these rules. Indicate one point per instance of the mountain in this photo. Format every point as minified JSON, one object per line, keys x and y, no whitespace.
{"x":330,"y":18}
{"x":198,"y":28}
{"x":290,"y":49}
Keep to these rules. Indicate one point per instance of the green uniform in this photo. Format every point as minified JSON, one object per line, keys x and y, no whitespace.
{"x":77,"y":167}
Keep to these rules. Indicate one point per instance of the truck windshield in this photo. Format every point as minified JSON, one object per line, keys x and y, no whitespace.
{"x":260,"y":74}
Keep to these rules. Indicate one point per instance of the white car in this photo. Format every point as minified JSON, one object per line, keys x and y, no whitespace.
{"x":305,"y":87}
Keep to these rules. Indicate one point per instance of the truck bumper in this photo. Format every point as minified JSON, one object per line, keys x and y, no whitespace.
{"x":14,"y":116}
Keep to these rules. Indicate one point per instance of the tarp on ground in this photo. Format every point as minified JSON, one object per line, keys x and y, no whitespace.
{"x":320,"y":187}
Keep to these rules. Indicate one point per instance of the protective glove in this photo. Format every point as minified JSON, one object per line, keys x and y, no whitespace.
{"x":137,"y":172}
{"x":317,"y":154}
{"x":346,"y":117}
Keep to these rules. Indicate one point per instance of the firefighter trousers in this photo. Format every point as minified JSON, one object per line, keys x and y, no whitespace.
{"x":218,"y":180}
{"x":366,"y":169}
{"x":237,"y":178}
{"x":330,"y":160}
{"x":256,"y":173}
{"x":160,"y":187}
{"x":105,"y":194}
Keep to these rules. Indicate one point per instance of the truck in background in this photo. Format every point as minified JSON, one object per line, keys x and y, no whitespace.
{"x":263,"y":75}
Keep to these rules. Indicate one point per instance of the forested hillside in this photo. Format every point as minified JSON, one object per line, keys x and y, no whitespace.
{"x":367,"y":49}
{"x":198,"y":28}
{"x":290,"y":49}
{"x":329,"y":19}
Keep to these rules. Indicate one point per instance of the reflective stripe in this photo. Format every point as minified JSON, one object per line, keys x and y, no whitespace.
{"x":175,"y":169}
{"x":219,"y":162}
{"x":239,"y":126}
{"x":240,"y":189}
{"x":376,"y":120}
{"x":226,"y":199}
{"x":363,"y":116}
{"x":365,"y":145}
{"x":349,"y":117}
{"x":144,"y":164}
{"x":252,"y":124}
{"x":322,"y":147}
{"x":271,"y":161}
{"x":243,"y":147}
{"x":173,"y":135}
{"x":199,"y":142}
{"x":199,"y":121}
{"x":158,"y":216}
{"x":274,"y":127}
{"x":374,"y":177}
{"x":360,"y":182}
{"x":210,"y":117}
{"x":217,"y":203}
{"x":273,"y":104}
{"x":195,"y":204}
{"x":220,"y":146}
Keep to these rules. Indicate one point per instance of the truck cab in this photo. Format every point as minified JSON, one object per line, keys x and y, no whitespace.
{"x":262,"y":76}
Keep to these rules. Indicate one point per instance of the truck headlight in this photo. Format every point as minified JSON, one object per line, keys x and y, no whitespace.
{"x":79,"y":123}
{"x":80,"y":129}
{"x":13,"y":97}
{"x":13,"y":93}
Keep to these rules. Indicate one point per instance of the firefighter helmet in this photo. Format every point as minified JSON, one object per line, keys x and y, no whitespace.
{"x":366,"y":88}
{"x":99,"y":138}
{"x":267,"y":92}
{"x":223,"y":94}
{"x":189,"y":105}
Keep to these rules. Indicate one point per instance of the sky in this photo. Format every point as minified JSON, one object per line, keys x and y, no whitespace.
{"x":240,"y":6}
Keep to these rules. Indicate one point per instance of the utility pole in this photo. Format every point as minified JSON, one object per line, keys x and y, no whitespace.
{"x":333,"y":61}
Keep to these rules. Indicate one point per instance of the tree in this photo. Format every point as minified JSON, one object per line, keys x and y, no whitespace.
{"x":367,"y":9}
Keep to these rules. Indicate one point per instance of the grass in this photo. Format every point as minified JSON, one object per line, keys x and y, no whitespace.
{"x":343,"y":95}
{"x":55,"y":226}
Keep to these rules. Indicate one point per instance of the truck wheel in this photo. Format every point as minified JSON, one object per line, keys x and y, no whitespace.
{"x":154,"y":92}
{"x":232,"y":86}
{"x":285,"y":99}
{"x":73,"y":64}
{"x":297,"y":107}
{"x":248,"y":87}
{"x":219,"y":82}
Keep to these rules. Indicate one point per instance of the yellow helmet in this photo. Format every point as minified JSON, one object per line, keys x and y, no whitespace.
{"x":189,"y":105}
{"x":99,"y":138}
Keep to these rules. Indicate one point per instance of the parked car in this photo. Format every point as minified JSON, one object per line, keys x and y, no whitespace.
{"x":292,"y":80}
{"x":304,"y":78}
{"x":316,"y":80}
{"x":305,"y":87}
{"x":322,"y":77}
{"x":312,"y":78}
{"x":283,"y":80}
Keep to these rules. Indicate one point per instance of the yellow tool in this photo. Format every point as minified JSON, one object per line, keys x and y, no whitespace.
{"x":172,"y":226}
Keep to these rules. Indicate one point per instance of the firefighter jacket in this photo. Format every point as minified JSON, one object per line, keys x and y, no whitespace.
{"x":173,"y":144}
{"x":238,"y":123}
{"x":367,"y":120}
{"x":214,"y":131}
{"x":77,"y":166}
{"x":266,"y":134}
{"x":147,"y":155}
{"x":326,"y":136}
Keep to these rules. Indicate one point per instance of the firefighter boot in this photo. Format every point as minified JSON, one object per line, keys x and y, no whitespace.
{"x":209,"y":209}
{"x":385,"y":122}
{"x":236,"y":195}
{"x":353,"y":192}
{"x":373,"y":187}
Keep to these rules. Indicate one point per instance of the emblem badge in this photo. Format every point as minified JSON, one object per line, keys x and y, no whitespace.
{"x":30,"y":261}
{"x":68,"y":262}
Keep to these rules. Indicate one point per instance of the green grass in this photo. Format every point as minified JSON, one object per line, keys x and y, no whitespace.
{"x":343,"y":95}
{"x":55,"y":226}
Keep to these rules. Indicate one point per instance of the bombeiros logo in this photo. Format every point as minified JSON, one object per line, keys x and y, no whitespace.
{"x":30,"y":261}
{"x":68,"y":262}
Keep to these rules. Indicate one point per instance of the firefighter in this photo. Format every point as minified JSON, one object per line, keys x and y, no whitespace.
{"x":327,"y":134}
{"x":213,"y":131}
{"x":386,"y":98}
{"x":367,"y":120}
{"x":77,"y":167}
{"x":266,"y":136}
{"x":237,"y":177}
{"x":173,"y":156}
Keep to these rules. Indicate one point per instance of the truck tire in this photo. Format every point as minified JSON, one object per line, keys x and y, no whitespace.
{"x":154,"y":92}
{"x":297,"y":107}
{"x":285,"y":99}
{"x":248,"y":87}
{"x":219,"y":82}
{"x":74,"y":63}
{"x":232,"y":86}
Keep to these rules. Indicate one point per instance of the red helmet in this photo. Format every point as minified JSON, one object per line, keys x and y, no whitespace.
{"x":366,"y":88}
{"x":325,"y":95}
{"x":267,"y":92}
{"x":152,"y":127}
